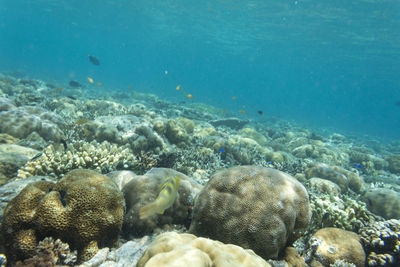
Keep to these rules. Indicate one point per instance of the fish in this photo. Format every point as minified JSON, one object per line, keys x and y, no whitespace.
{"x":4,"y":81}
{"x":74,"y":84}
{"x":260,"y":112}
{"x":59,"y":89}
{"x":37,"y":156}
{"x":398,"y":103}
{"x":179,"y":87}
{"x":242,"y":111}
{"x":81,"y":121}
{"x":234,"y":97}
{"x":90,"y":80}
{"x":94,"y":60}
{"x":190,"y":96}
{"x":221,"y":150}
{"x":357,"y":165}
{"x":71,"y":97}
{"x":165,"y":199}
{"x":99,"y":84}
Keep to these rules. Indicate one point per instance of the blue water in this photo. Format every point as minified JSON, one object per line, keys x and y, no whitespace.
{"x":326,"y":64}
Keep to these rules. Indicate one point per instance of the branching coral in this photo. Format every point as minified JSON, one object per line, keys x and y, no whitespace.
{"x":104,"y":157}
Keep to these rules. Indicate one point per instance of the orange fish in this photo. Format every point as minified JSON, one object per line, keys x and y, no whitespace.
{"x":190,"y":96}
{"x":59,"y":89}
{"x":99,"y":84}
{"x":224,"y":110}
{"x":234,"y":97}
{"x":90,"y":80}
{"x":178,"y":88}
{"x":242,"y":111}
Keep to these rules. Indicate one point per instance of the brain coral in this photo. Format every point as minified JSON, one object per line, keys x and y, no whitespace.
{"x":144,"y":189}
{"x":84,"y":209}
{"x":254,"y":207}
{"x":384,"y":202}
{"x":171,"y":249}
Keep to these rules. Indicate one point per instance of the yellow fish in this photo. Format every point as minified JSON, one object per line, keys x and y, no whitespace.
{"x":178,"y":88}
{"x":99,"y":84}
{"x":165,"y":199}
{"x":190,"y":96}
{"x":242,"y":111}
{"x":90,"y":80}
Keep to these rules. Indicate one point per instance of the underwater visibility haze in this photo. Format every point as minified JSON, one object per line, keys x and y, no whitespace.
{"x":332,"y":64}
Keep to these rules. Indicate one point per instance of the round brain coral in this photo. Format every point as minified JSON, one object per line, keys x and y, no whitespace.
{"x":84,"y":209}
{"x":254,"y":207}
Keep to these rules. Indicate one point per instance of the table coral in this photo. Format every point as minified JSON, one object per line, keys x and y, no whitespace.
{"x":254,"y":207}
{"x":171,"y":249}
{"x":84,"y":209}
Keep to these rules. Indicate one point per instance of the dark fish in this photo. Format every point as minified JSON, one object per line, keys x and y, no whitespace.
{"x":398,"y":103}
{"x":37,"y":156}
{"x":62,"y":141}
{"x":74,"y":84}
{"x":260,"y":112}
{"x":71,"y":97}
{"x":94,"y":60}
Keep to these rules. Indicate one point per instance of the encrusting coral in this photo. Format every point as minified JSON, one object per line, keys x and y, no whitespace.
{"x":84,"y":209}
{"x":254,"y":207}
{"x":171,"y":249}
{"x":104,"y":157}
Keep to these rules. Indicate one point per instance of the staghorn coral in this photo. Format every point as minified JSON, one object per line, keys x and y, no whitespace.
{"x":103,"y":157}
{"x":254,"y":207}
{"x":143,"y":189}
{"x":171,"y":249}
{"x":84,"y":209}
{"x":382,"y":243}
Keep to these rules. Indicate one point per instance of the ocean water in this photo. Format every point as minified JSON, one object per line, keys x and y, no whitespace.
{"x":326,"y":64}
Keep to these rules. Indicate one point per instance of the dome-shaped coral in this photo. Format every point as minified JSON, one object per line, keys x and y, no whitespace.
{"x":254,"y":207}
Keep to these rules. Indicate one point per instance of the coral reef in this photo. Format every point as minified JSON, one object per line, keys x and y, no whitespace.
{"x":172,"y":249}
{"x":340,"y":212}
{"x":84,"y":209}
{"x":51,"y":252}
{"x":21,"y":122}
{"x":144,"y":189}
{"x":382,"y":243}
{"x":384,"y":202}
{"x":254,"y":207}
{"x":328,"y":245}
{"x":55,"y":161}
{"x":394,"y":163}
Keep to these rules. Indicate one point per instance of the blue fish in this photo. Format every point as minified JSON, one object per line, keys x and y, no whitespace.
{"x":269,"y":162}
{"x":357,"y":165}
{"x":221,"y":150}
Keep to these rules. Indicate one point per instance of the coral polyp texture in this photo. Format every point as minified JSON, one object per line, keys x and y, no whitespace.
{"x":382,"y":243}
{"x":171,"y":249}
{"x":102,"y":157}
{"x":254,"y":207}
{"x":84,"y":209}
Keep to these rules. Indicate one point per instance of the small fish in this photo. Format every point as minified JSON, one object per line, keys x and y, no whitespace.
{"x":4,"y":81}
{"x":224,"y":110}
{"x":81,"y":121}
{"x":242,"y":111}
{"x":398,"y":103}
{"x":74,"y":84}
{"x":270,"y":163}
{"x":90,"y":80}
{"x":221,"y":150}
{"x":165,"y":199}
{"x":37,"y":156}
{"x":94,"y":60}
{"x":234,"y":97}
{"x":99,"y":84}
{"x":190,"y":96}
{"x":357,"y":165}
{"x":71,"y":97}
{"x":59,"y":89}
{"x":179,"y":87}
{"x":260,"y":112}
